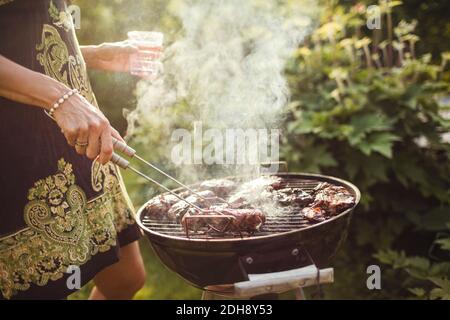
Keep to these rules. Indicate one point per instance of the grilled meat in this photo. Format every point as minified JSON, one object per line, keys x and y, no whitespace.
{"x":249,"y":220}
{"x":266,"y":190}
{"x":243,"y":212}
{"x":333,"y":199}
{"x":329,"y":200}
{"x":292,"y":196}
{"x":224,"y":220}
{"x":314,"y":214}
{"x":159,"y":207}
{"x":221,"y":187}
{"x":180,"y":208}
{"x":255,"y":192}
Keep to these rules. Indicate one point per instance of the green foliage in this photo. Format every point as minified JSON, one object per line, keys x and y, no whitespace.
{"x":369,"y":110}
{"x":432,"y":277}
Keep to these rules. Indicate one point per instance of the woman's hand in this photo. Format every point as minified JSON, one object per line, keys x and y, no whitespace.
{"x":86,"y":128}
{"x":80,"y":121}
{"x":113,"y":56}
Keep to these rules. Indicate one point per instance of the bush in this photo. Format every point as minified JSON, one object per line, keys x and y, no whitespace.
{"x":370,"y":110}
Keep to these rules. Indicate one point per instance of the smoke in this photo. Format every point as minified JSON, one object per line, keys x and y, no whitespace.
{"x":226,"y":66}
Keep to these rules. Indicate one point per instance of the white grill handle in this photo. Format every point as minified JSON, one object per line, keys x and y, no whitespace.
{"x":278,"y":282}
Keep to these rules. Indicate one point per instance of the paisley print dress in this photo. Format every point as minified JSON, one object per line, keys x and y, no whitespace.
{"x":58,"y":210}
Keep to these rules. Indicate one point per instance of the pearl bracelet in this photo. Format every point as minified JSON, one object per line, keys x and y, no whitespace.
{"x":61,"y":101}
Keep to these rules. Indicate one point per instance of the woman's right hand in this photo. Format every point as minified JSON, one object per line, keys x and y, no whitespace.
{"x":79,"y":120}
{"x":86,"y":128}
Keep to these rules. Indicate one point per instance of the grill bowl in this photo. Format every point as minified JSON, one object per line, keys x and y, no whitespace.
{"x":216,"y":261}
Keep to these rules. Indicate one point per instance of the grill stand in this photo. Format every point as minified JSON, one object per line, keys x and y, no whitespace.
{"x":270,"y":285}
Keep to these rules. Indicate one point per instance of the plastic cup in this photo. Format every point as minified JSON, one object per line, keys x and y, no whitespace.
{"x":146,"y":63}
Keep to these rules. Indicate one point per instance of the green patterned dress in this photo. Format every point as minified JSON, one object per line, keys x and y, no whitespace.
{"x":58,"y":209}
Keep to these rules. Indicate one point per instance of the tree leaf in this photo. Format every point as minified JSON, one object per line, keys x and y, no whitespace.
{"x":438,"y":293}
{"x":382,"y":143}
{"x":316,"y":157}
{"x":444,"y":284}
{"x":445,"y":243}
{"x":370,"y":122}
{"x":434,"y":220}
{"x":419,"y":292}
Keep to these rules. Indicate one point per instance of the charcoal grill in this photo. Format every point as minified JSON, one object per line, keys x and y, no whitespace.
{"x":284,"y":243}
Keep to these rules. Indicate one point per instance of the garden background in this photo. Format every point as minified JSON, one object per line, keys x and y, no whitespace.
{"x":368,"y":106}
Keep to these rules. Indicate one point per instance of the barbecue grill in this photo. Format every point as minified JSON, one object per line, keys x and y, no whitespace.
{"x":286,"y":242}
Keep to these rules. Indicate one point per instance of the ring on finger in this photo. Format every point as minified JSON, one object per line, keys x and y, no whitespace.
{"x":81,"y":144}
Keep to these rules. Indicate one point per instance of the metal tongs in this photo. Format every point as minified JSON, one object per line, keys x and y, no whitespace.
{"x":125,"y":164}
{"x":126,"y":150}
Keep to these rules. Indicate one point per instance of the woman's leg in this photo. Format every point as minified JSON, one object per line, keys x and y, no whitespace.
{"x":123,"y":279}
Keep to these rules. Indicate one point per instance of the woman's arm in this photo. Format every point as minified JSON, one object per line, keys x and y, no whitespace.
{"x":109,"y":56}
{"x":79,"y":120}
{"x":26,"y":86}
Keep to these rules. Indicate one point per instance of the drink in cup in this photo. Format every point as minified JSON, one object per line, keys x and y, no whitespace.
{"x":146,"y":63}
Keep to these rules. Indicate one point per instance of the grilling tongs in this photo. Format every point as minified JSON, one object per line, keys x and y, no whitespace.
{"x":125,"y":164}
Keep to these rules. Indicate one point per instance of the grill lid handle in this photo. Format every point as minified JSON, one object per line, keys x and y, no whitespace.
{"x":273,"y":167}
{"x":282,"y":281}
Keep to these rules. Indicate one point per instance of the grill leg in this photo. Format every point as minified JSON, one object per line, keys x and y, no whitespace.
{"x":267,"y":296}
{"x":299,"y":294}
{"x":208,"y":295}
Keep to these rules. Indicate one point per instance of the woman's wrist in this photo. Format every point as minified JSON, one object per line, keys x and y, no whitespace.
{"x":23,"y":85}
{"x":61,"y":100}
{"x":53,"y":91}
{"x":89,"y":55}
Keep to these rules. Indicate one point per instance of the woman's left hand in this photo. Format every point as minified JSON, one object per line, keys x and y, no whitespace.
{"x":113,"y":56}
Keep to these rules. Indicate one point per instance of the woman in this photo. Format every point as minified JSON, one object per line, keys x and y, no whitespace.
{"x":61,"y":210}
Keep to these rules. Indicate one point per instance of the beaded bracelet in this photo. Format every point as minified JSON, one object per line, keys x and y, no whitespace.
{"x":61,"y":101}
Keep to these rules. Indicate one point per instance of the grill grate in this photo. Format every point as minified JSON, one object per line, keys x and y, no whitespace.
{"x":287,"y":220}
